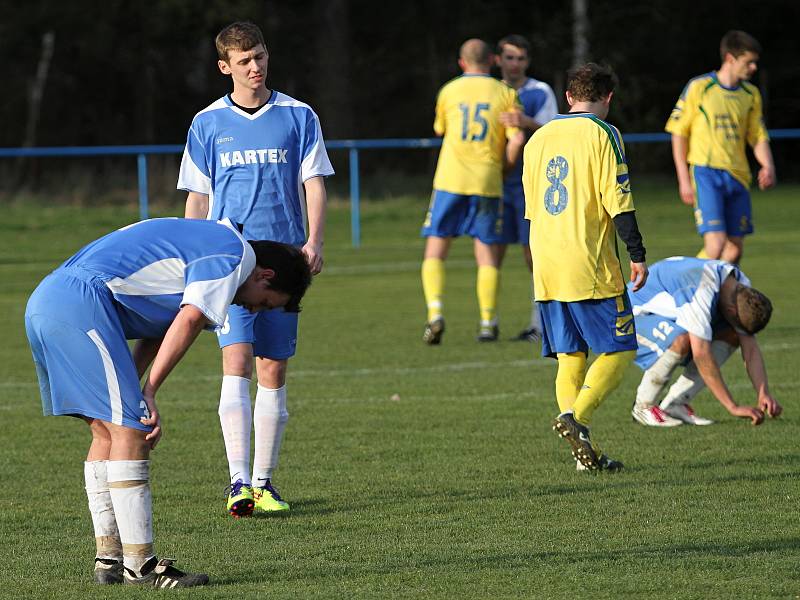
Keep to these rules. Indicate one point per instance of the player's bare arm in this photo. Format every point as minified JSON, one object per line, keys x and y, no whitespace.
{"x":712,"y":376}
{"x":316,"y":202}
{"x":766,"y":174}
{"x":514,"y":150}
{"x":519,"y":119}
{"x":757,"y":371}
{"x":187,"y":325}
{"x":196,"y":206}
{"x":680,"y":150}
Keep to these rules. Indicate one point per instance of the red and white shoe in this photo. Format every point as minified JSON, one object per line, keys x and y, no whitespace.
{"x":685,"y":414}
{"x":653,"y":416}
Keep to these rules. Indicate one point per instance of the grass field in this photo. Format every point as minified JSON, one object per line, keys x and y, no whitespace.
{"x":458,"y":489}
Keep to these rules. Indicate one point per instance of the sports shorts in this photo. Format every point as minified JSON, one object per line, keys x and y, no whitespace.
{"x":516,"y":228}
{"x":273,"y":333}
{"x":80,"y":352}
{"x":603,"y":326}
{"x":453,"y":215}
{"x":722,"y":203}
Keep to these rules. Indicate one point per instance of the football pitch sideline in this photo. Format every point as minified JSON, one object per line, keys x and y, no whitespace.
{"x":417,"y":471}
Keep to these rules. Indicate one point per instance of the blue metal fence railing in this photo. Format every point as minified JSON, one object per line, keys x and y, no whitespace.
{"x":353,"y":146}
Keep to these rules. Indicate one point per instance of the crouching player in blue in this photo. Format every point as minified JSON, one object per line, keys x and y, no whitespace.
{"x":697,"y":311}
{"x":578,"y":198}
{"x":160,"y":282}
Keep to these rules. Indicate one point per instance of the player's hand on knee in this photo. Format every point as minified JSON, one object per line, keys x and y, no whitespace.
{"x":153,"y":420}
{"x":749,"y":412}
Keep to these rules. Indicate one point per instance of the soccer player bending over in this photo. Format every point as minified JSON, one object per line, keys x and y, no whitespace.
{"x":578,"y":197}
{"x":715,"y":116}
{"x":160,"y":282}
{"x":697,"y":311}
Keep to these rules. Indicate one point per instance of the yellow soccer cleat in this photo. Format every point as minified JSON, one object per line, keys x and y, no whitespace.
{"x":240,"y":499}
{"x":267,"y":499}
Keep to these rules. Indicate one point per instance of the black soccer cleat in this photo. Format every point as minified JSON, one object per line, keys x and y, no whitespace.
{"x":162,"y":575}
{"x":532,"y":334}
{"x":488,"y":333}
{"x":433,"y":332}
{"x":107,"y":571}
{"x":577,"y":435}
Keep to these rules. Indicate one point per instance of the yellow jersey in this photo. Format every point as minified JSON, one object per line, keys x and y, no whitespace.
{"x":718,"y":121}
{"x":468,"y":116}
{"x":576,"y":181}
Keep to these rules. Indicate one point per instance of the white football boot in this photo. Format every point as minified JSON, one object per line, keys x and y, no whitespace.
{"x":653,"y":416}
{"x":685,"y":414}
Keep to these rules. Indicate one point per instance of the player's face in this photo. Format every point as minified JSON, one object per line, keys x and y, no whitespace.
{"x":256,"y":294}
{"x":745,"y":65}
{"x":513,"y":63}
{"x":248,"y":69}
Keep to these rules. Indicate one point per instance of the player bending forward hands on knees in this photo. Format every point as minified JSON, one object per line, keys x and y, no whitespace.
{"x":697,"y":311}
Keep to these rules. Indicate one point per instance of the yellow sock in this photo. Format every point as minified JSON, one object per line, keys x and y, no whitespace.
{"x":571,"y":370}
{"x":488,"y":285}
{"x":603,"y":377}
{"x":702,"y":253}
{"x":433,"y":286}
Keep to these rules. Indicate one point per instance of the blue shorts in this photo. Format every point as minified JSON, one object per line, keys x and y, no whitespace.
{"x":655,"y":334}
{"x":516,"y":228}
{"x":722,"y":203}
{"x":452,"y":215}
{"x":273,"y":333}
{"x":603,"y":325}
{"x":79,"y":349}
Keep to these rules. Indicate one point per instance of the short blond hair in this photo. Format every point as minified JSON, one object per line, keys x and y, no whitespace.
{"x":240,"y":36}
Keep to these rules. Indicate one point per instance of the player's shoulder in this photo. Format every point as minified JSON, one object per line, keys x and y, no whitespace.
{"x":535,"y":85}
{"x":286,"y":101}
{"x":750,"y":89}
{"x":209,"y":111}
{"x":699,"y":83}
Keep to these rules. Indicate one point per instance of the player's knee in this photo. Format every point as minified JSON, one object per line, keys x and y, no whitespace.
{"x":271,"y":373}
{"x":681,"y":344}
{"x":237,"y":360}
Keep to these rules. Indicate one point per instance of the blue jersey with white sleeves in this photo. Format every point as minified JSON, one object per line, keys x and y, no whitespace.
{"x":252,"y":166}
{"x":538,"y":102}
{"x":154,"y":267}
{"x":686,"y":290}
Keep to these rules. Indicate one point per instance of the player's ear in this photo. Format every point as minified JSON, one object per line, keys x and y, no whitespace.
{"x":224,"y":67}
{"x":266,"y":275}
{"x":607,"y":100}
{"x":570,"y":99}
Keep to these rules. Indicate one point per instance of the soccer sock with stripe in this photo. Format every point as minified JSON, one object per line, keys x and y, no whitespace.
{"x":602,"y":378}
{"x":656,"y":377}
{"x":106,"y":533}
{"x":270,"y":419}
{"x":569,"y":378}
{"x":129,"y":485}
{"x":690,"y":383}
{"x":236,"y":421}
{"x":433,"y":279}
{"x":488,"y":285}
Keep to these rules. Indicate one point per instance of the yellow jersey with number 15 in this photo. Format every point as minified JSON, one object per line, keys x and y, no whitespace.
{"x":718,"y":122}
{"x":576,"y":181}
{"x":468,"y":116}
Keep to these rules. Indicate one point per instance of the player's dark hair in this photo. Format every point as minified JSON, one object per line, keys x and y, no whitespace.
{"x":515,"y":40}
{"x":753,"y":308}
{"x":292,"y":273}
{"x":240,"y":36}
{"x":736,"y":43}
{"x":591,"y":82}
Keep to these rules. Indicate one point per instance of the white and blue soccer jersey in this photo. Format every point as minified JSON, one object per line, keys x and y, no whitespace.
{"x":252,"y":167}
{"x":538,"y":102}
{"x":154,"y":267}
{"x":686,"y":291}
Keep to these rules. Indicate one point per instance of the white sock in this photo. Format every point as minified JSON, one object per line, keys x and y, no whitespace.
{"x":655,"y":378}
{"x":270,"y":419}
{"x":106,"y":534}
{"x":236,"y":421}
{"x":129,"y":485}
{"x":690,"y":383}
{"x":536,"y":321}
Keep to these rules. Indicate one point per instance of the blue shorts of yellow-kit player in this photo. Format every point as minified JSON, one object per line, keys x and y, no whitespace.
{"x":654,"y":334}
{"x":273,"y":333}
{"x":453,"y":215}
{"x":604,"y":326}
{"x":722,"y":203}
{"x":516,"y":228}
{"x":82,"y":359}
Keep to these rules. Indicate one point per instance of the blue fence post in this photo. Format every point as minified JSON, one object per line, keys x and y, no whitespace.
{"x":355,"y":200}
{"x":142,"y":168}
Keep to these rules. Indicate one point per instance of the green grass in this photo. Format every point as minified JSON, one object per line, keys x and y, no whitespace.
{"x":459,"y":488}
